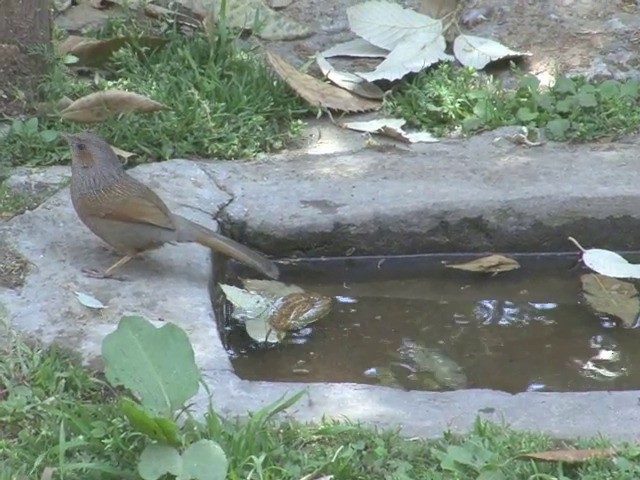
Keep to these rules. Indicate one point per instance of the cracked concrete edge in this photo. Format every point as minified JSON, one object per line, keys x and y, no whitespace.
{"x":614,"y":415}
{"x":484,"y":194}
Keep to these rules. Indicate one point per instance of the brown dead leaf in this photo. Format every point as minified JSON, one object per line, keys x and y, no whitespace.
{"x":93,"y":53}
{"x":349,"y":81}
{"x":489,"y":264}
{"x":99,"y":106}
{"x":571,"y":456}
{"x":612,"y":296}
{"x":318,"y":93}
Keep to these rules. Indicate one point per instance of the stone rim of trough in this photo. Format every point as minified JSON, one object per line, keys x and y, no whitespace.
{"x":561,"y":186}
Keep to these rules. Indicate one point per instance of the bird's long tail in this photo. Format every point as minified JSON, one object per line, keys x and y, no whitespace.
{"x":189,"y":231}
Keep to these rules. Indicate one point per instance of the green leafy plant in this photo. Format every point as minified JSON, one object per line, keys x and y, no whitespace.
{"x":223,"y":100}
{"x":165,"y":377}
{"x":447,"y":98}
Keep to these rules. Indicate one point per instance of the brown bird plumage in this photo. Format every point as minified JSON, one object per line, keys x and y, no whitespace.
{"x":129,"y":216}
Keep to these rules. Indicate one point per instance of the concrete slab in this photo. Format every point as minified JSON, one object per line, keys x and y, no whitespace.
{"x":473,"y":195}
{"x":484,"y":194}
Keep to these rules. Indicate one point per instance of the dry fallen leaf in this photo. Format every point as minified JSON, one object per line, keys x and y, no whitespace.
{"x":93,"y":53}
{"x":392,"y":128}
{"x":122,"y":153}
{"x":489,"y":264}
{"x":318,"y":93}
{"x":612,"y":297}
{"x":571,"y":456}
{"x":349,"y":81}
{"x":99,"y":106}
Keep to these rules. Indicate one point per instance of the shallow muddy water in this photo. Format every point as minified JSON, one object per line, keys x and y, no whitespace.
{"x":527,"y":329}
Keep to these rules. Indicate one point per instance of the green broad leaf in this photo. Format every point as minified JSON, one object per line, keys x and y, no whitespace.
{"x":157,"y":364}
{"x":158,"y":460}
{"x":587,"y":99}
{"x":558,"y":127}
{"x":159,"y":429}
{"x":49,"y":136}
{"x":31,"y":125}
{"x":204,"y":460}
{"x":564,"y":85}
{"x":526,"y":115}
{"x":630,"y":88}
{"x":566,"y":105}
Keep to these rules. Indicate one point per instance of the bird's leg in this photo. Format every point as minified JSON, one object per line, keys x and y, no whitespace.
{"x":108,"y":271}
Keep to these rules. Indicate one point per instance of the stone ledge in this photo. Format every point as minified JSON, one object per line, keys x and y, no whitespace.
{"x":583,"y":191}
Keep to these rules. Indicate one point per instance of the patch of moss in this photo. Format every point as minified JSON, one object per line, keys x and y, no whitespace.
{"x":13,"y":267}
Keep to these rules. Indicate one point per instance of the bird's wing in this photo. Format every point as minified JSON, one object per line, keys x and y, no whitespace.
{"x":131,"y":202}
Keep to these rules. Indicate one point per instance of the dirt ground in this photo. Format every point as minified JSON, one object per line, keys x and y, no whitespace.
{"x":599,"y":39}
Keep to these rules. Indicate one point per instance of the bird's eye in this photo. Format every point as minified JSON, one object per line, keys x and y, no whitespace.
{"x":81,"y":146}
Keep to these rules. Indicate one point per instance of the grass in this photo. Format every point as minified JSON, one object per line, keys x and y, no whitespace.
{"x":55,"y":413}
{"x":223,"y":101}
{"x":445,"y":99}
{"x":13,"y":203}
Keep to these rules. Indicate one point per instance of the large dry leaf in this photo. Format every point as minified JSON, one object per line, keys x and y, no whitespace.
{"x":318,"y":93}
{"x":93,"y":53}
{"x":478,"y":52}
{"x":99,"y":106}
{"x":386,"y":24}
{"x":358,"y":47}
{"x":571,"y":456}
{"x":612,"y":297}
{"x":489,"y":264}
{"x":416,"y":53}
{"x":606,"y":262}
{"x":349,"y":81}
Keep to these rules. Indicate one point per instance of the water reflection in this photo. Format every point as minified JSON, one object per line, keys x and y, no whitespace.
{"x":521,"y":333}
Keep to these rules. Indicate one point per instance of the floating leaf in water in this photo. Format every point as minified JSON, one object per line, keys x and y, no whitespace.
{"x":247,"y":305}
{"x":489,"y":264}
{"x":297,"y":310}
{"x":89,"y":301}
{"x":269,"y":308}
{"x":571,"y":456}
{"x":612,"y":296}
{"x":270,"y":288}
{"x":606,"y":262}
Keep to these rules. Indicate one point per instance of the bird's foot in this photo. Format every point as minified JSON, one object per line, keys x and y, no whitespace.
{"x":93,"y":273}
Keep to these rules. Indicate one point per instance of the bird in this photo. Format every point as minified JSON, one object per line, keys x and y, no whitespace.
{"x":132,"y":218}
